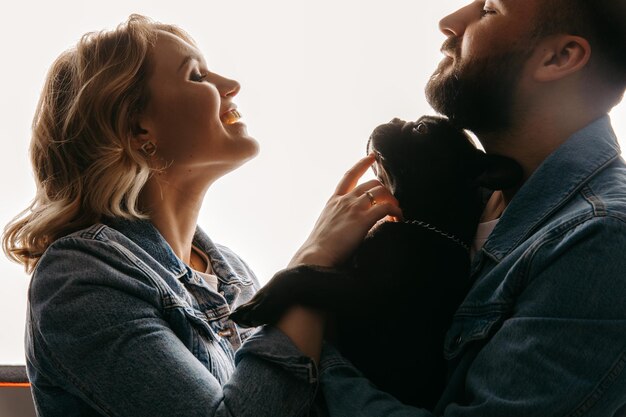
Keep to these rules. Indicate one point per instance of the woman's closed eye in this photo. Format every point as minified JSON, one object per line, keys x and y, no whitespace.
{"x":198,"y":77}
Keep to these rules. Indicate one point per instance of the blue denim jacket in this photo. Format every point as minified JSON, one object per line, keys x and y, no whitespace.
{"x":119,"y":326}
{"x":542,"y":332}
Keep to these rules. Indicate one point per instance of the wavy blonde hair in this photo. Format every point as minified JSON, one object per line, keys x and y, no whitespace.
{"x":81,"y":148}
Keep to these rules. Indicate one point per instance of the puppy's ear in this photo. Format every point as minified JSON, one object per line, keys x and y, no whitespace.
{"x":496,"y":172}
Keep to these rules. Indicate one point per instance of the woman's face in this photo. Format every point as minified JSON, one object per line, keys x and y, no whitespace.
{"x":190,"y":116}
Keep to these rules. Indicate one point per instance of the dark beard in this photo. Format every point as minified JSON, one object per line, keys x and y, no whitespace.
{"x":478,"y":95}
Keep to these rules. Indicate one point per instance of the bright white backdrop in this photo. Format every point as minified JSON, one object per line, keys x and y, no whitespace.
{"x":316,"y":77}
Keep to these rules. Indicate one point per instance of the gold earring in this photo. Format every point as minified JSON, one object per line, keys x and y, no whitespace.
{"x":148,"y":148}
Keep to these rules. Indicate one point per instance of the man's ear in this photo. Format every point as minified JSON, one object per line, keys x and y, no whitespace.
{"x":497,"y":172}
{"x":560,"y":56}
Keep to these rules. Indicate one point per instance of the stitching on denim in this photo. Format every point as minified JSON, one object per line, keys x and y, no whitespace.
{"x":119,"y":248}
{"x":620,"y":364}
{"x":223,"y":259}
{"x":549,"y":211}
{"x":598,"y":206}
{"x":481,"y":310}
{"x":171,"y":302}
{"x":548,"y":237}
{"x":93,"y":232}
{"x":333,"y":363}
{"x":611,"y":376}
{"x":556,"y":233}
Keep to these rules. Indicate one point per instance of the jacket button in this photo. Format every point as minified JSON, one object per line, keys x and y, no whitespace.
{"x":225,"y":333}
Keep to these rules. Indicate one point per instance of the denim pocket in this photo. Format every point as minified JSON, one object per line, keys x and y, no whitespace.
{"x":470,"y":326}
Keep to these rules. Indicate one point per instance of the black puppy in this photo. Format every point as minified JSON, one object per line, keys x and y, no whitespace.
{"x":393,"y":305}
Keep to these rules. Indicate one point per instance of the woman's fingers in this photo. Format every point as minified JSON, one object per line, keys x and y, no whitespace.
{"x":366,"y":186}
{"x":372,"y":191}
{"x":380,"y":211}
{"x":382,"y":204}
{"x":375,"y":195}
{"x":351,"y":178}
{"x":347,"y":217}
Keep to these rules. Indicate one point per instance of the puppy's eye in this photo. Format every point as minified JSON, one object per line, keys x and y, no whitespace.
{"x":420,"y":128}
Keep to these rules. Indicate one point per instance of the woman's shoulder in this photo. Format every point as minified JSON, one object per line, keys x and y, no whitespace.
{"x":98,"y":258}
{"x":84,"y":248}
{"x":88,"y":244}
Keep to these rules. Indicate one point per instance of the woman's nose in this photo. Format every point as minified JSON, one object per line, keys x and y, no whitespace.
{"x":228,"y":88}
{"x":454,"y":24}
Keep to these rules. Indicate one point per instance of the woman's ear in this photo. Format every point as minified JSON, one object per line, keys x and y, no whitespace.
{"x":143,"y":140}
{"x":560,"y":56}
{"x":140,"y":133}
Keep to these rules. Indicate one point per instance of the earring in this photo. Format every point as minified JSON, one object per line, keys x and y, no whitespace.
{"x":149,"y":148}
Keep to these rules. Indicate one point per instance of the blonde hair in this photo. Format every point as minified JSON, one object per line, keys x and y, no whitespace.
{"x":81,"y":148}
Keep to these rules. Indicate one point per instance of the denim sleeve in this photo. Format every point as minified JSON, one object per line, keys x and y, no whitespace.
{"x":562,"y":351}
{"x":97,"y":329}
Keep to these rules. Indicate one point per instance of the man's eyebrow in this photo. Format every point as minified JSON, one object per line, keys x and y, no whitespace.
{"x":191,"y":57}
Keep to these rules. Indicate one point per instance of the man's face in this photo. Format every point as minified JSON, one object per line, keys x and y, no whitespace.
{"x":488,"y":45}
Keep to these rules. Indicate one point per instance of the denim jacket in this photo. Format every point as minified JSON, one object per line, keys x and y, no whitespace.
{"x":542,"y":331}
{"x":119,"y":326}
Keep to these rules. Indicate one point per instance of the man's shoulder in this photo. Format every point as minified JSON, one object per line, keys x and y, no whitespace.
{"x":606,"y":192}
{"x":599,"y":205}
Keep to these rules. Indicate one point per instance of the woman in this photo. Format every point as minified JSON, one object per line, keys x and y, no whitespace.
{"x":129,"y":300}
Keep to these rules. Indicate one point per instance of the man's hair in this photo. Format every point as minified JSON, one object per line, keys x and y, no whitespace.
{"x":601,"y":22}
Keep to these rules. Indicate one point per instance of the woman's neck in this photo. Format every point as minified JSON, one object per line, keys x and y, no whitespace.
{"x":174,"y":209}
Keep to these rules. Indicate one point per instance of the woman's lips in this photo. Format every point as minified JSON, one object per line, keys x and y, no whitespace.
{"x":230,"y":117}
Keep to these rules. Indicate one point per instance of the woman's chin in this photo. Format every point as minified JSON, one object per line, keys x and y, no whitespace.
{"x":247,"y":148}
{"x":250,"y":147}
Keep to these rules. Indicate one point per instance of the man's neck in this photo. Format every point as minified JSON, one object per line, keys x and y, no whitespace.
{"x":529,"y":143}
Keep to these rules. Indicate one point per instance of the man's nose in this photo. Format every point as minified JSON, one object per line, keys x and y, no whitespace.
{"x":454,"y":24}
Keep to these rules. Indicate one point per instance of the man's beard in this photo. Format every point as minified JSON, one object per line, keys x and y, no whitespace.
{"x":478,"y":94}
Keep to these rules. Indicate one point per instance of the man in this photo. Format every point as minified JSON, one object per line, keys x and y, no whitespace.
{"x":543,"y":330}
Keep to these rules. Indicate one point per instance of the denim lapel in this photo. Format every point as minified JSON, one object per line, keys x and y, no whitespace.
{"x":553,"y":184}
{"x":229,"y":280}
{"x":146,"y":236}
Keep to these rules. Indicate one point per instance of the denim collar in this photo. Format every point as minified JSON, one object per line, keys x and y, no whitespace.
{"x":555,"y":182}
{"x":146,"y":236}
{"x":231,"y":272}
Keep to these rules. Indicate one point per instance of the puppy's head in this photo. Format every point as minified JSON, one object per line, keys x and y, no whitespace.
{"x":429,"y":161}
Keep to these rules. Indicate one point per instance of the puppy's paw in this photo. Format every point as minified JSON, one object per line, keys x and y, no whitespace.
{"x":260,"y":310}
{"x":306,"y":285}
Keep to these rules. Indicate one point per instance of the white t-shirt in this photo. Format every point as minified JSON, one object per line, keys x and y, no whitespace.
{"x":207,"y":275}
{"x":482,"y":234}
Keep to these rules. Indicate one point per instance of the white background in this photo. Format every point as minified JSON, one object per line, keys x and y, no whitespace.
{"x":317,"y":77}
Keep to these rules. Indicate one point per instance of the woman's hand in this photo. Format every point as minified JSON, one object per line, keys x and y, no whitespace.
{"x":349,"y":214}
